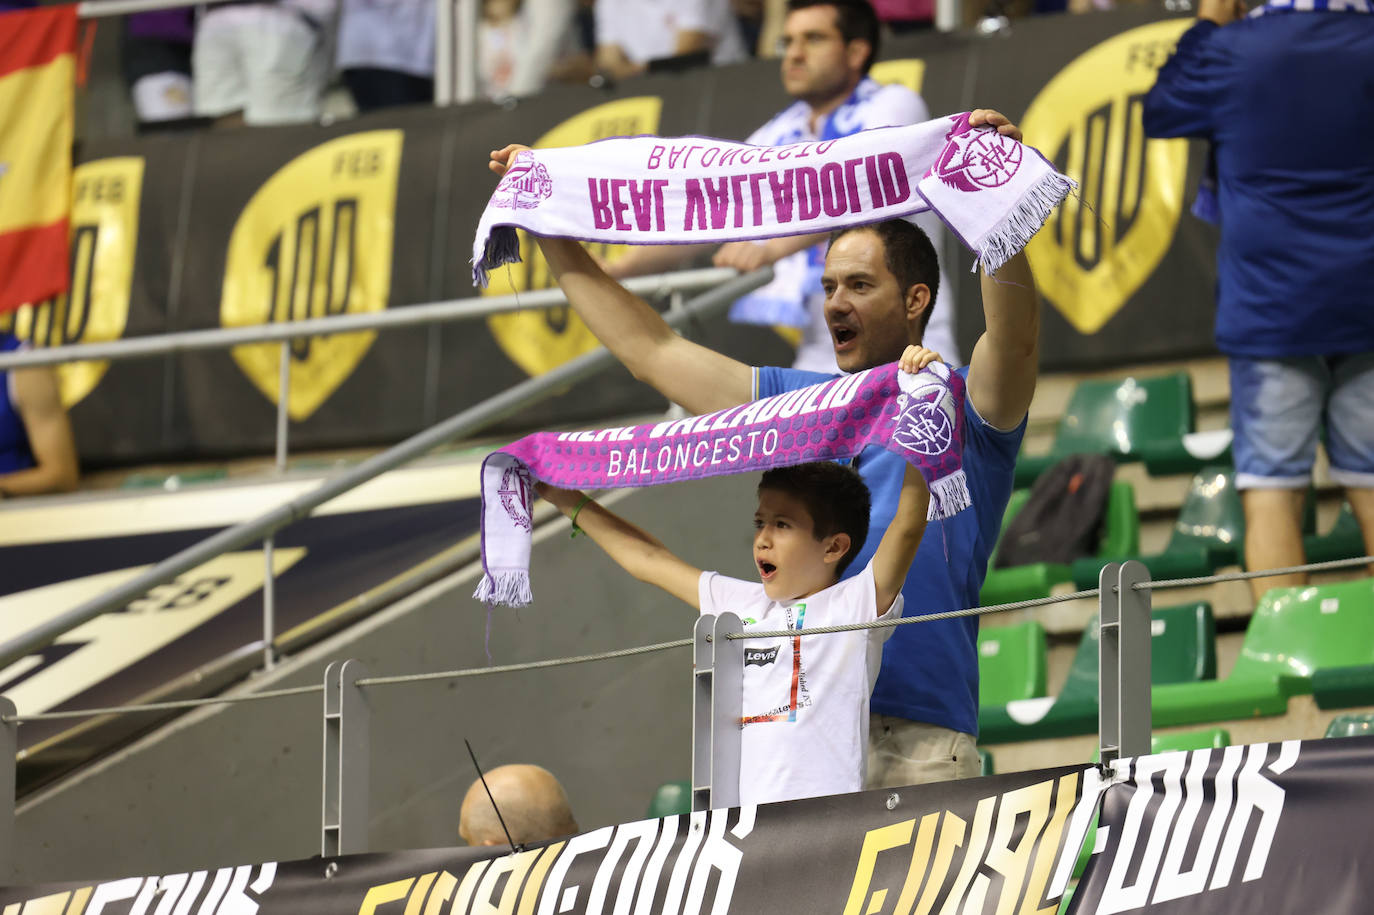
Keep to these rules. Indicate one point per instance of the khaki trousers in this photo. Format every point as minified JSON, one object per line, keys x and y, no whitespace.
{"x":902,"y":752}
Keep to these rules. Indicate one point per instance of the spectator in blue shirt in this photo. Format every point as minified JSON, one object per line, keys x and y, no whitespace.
{"x":1286,"y":97}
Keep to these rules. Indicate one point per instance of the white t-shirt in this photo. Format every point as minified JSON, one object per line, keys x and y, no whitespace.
{"x":647,"y":29}
{"x":805,"y":716}
{"x":871,"y":105}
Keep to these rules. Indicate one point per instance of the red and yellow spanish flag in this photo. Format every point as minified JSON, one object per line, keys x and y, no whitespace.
{"x":37,"y":79}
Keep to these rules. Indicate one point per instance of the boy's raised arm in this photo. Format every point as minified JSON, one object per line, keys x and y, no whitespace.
{"x":686,"y":373}
{"x":634,"y":550}
{"x":892,"y":560}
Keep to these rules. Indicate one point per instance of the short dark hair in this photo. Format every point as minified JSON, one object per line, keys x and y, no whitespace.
{"x":854,"y":18}
{"x":834,"y":495}
{"x":909,"y":256}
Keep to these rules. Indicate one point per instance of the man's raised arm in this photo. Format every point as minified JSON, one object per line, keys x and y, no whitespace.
{"x":1006,"y":360}
{"x":699,"y":379}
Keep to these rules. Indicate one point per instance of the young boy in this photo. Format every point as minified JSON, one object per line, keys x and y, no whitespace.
{"x":805,"y":715}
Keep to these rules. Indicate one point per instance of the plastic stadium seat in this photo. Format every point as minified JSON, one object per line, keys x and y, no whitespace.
{"x":1293,"y":633}
{"x":1343,"y":687}
{"x":985,"y":764}
{"x":1208,"y":534}
{"x":1120,"y":537}
{"x":1121,"y":419}
{"x":1012,"y":663}
{"x":1350,"y":726}
{"x":1183,"y":650}
{"x":670,"y":798}
{"x":1343,"y":541}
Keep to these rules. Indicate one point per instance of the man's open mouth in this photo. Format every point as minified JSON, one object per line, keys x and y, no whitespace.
{"x":842,"y":334}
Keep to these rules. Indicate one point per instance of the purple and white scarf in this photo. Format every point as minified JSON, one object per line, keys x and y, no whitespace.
{"x":920,"y":417}
{"x":993,"y":192}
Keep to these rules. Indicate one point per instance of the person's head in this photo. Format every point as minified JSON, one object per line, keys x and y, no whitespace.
{"x":880,"y":283}
{"x":531,"y":800}
{"x":811,"y":522}
{"x":827,"y":47}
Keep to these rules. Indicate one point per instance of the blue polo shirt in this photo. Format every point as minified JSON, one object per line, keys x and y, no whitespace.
{"x":1287,"y":100}
{"x":930,"y":670}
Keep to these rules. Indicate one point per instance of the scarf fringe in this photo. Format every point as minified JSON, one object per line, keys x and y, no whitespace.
{"x":1014,"y":232}
{"x":949,"y":495}
{"x":503,"y":247}
{"x":508,"y":587}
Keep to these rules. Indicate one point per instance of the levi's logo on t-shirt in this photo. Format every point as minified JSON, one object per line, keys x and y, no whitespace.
{"x":760,"y":656}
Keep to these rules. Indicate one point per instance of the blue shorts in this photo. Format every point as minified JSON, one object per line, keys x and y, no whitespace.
{"x":1279,"y":408}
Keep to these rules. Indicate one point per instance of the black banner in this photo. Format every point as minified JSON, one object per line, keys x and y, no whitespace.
{"x":988,"y":844}
{"x":1269,"y":827}
{"x":238,"y":227}
{"x":1265,"y":828}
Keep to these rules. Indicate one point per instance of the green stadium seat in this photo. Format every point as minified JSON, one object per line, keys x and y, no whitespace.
{"x":1182,"y":651}
{"x":1124,"y":420}
{"x":1120,"y":536}
{"x":985,"y":764}
{"x":1293,"y":633}
{"x":1351,"y":726}
{"x":1209,"y":534}
{"x":1012,"y":663}
{"x":1343,"y":687}
{"x":1343,"y":541}
{"x":670,"y":798}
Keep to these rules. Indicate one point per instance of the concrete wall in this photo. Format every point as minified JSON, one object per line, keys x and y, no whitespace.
{"x":241,"y":783}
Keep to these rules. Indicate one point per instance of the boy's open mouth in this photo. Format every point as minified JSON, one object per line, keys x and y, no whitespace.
{"x":767,"y":570}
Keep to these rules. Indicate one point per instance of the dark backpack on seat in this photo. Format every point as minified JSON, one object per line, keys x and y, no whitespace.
{"x":1062,"y":519}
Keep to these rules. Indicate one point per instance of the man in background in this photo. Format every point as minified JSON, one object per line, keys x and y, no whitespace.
{"x":1286,"y":97}
{"x":827,"y":49}
{"x":532,"y":803}
{"x":631,"y":33}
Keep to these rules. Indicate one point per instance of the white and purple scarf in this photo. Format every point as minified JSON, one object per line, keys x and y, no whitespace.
{"x":993,"y":192}
{"x":920,"y":417}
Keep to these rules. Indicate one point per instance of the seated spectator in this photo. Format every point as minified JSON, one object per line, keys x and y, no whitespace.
{"x":531,"y":802}
{"x":262,"y":62}
{"x":386,"y":52}
{"x":631,"y":33}
{"x":157,"y":64}
{"x":37,"y":454}
{"x":499,"y":46}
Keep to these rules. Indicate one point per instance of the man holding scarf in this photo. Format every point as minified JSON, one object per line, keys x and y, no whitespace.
{"x":879,"y":283}
{"x":1286,"y":97}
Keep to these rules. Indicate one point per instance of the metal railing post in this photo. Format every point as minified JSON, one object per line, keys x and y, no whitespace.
{"x":727,"y":709}
{"x":283,"y":403}
{"x":443,"y":53}
{"x":1123,"y":662}
{"x":347,"y":731}
{"x":269,"y":604}
{"x":9,"y":752}
{"x":703,"y":671}
{"x":465,"y":45}
{"x":949,"y":15}
{"x":717,"y":702}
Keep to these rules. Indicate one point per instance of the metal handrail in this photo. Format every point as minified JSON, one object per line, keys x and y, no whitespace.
{"x":470,"y":420}
{"x":404,"y":316}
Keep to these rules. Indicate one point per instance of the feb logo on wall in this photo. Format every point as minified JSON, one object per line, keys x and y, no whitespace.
{"x":315,"y":240}
{"x":541,"y":339}
{"x":1100,"y":246}
{"x":104,"y":239}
